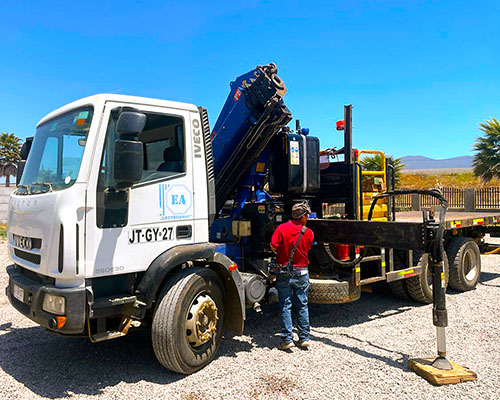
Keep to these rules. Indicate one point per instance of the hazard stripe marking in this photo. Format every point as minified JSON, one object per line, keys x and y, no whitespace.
{"x":406,"y":272}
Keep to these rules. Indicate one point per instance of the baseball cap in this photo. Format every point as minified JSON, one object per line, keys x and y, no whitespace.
{"x":300,"y":209}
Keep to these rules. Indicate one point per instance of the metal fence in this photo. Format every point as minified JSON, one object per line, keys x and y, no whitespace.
{"x":487,"y":198}
{"x":454,"y":196}
{"x":458,"y":199}
{"x":403,"y":202}
{"x":484,"y":199}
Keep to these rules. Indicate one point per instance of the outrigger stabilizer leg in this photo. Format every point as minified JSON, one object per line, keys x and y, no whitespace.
{"x":439,"y":371}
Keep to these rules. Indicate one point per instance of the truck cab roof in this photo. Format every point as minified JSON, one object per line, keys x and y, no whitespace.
{"x":104,"y":97}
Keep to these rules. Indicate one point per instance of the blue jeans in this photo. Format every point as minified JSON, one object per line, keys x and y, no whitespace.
{"x":292,"y":291}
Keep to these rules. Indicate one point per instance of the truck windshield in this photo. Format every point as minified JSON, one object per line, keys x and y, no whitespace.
{"x":56,"y":154}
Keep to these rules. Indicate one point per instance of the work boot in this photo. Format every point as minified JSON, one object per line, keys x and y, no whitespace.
{"x":303,"y":344}
{"x":285,"y":345}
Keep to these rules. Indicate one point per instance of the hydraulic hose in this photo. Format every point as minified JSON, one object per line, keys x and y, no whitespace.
{"x":347,"y":264}
{"x":438,"y":240}
{"x":497,"y":250}
{"x":431,"y":192}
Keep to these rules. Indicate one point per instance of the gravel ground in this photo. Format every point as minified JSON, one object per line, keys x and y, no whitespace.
{"x":359,"y":350}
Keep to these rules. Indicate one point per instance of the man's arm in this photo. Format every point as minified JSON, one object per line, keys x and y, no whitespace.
{"x":309,"y":236}
{"x":275,"y":240}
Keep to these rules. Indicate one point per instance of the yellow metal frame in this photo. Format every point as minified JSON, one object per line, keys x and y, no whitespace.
{"x":375,"y":152}
{"x":382,"y":173}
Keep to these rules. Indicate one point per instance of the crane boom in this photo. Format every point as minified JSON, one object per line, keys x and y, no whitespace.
{"x":254,"y":111}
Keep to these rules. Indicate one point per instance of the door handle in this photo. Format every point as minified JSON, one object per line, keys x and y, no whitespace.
{"x":184,"y":232}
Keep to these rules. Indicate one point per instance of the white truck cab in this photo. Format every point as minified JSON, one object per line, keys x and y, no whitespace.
{"x":62,"y":201}
{"x":84,"y":253}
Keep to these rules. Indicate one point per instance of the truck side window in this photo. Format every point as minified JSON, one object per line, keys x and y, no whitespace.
{"x":164,"y":157}
{"x":164,"y":148}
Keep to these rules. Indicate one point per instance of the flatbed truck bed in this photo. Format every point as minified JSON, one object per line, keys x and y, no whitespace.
{"x":455,"y":219}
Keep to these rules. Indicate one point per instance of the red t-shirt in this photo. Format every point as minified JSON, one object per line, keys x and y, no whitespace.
{"x":284,"y":238}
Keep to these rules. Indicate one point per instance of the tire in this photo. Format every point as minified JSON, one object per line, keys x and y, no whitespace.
{"x":399,"y":289}
{"x":331,"y":291}
{"x":465,"y":268}
{"x":186,"y":300}
{"x":420,"y":287}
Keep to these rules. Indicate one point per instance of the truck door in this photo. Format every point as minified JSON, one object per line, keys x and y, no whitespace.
{"x":126,"y":231}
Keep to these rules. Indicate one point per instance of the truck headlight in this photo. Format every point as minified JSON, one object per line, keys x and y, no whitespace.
{"x":54,"y":304}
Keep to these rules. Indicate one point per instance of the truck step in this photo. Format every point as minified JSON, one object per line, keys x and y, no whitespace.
{"x":111,"y":334}
{"x":371,"y":258}
{"x":101,"y":337}
{"x":111,"y":301}
{"x":371,"y":280}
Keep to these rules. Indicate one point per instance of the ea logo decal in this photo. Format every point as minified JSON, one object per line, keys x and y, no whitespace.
{"x":175,"y":201}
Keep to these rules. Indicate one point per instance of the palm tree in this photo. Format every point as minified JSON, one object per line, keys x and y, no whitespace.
{"x":10,"y":146}
{"x":375,"y":164}
{"x":487,"y":158}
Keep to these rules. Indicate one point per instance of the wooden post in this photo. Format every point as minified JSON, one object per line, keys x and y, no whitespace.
{"x":415,"y":202}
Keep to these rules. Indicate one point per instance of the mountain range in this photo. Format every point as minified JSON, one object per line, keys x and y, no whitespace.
{"x":421,"y":162}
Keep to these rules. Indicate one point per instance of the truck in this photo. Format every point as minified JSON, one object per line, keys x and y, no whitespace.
{"x":132,"y":211}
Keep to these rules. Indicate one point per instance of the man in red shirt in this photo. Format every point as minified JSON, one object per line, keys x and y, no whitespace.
{"x":292,"y":290}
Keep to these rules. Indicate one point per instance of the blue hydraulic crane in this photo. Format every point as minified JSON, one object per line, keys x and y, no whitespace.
{"x":252,"y":114}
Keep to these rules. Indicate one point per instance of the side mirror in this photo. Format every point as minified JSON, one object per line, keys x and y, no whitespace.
{"x":24,"y":152}
{"x":130,"y":123}
{"x":127,"y":167}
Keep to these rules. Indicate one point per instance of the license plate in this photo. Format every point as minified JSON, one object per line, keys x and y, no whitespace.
{"x":18,"y":293}
{"x":153,"y":234}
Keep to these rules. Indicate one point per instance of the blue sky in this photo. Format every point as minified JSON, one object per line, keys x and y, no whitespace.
{"x":421,"y":75}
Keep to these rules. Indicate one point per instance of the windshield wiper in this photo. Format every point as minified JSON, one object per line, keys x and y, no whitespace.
{"x":22,"y":192}
{"x":47,"y":184}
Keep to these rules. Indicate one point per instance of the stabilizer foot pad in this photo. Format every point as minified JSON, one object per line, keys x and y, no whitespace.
{"x":424,"y":368}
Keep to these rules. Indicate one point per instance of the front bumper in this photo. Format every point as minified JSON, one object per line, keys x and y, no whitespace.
{"x":31,"y":306}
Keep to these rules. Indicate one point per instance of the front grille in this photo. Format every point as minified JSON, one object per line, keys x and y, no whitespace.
{"x":32,"y":258}
{"x":33,"y":276}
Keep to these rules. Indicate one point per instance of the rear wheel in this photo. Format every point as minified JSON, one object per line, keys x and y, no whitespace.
{"x":465,"y":259}
{"x":188,"y":321}
{"x":420,"y":287}
{"x":398,"y":288}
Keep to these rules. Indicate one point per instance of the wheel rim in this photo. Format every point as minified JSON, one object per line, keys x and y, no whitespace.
{"x":201,"y":321}
{"x":470,"y":265}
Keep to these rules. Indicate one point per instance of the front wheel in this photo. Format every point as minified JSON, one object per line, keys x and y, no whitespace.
{"x":189,"y":320}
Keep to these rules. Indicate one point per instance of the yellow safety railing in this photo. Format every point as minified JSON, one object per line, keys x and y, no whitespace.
{"x":382,"y":173}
